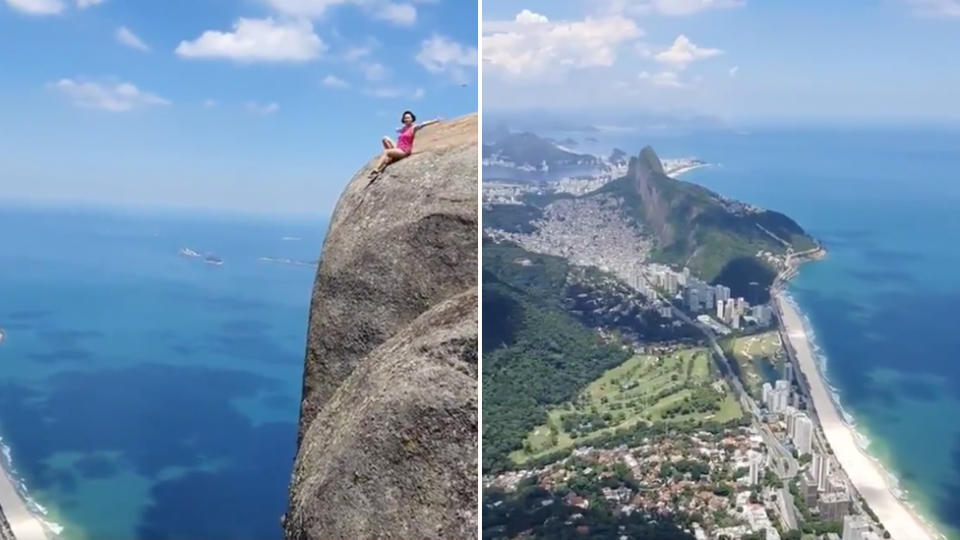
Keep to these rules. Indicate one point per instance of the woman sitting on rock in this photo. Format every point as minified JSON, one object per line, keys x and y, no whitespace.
{"x":396,"y":152}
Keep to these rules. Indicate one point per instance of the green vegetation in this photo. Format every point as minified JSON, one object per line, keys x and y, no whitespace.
{"x":677,"y":387}
{"x":511,"y":217}
{"x":542,"y":357}
{"x":758,"y":359}
{"x":537,"y":353}
{"x":534,"y":513}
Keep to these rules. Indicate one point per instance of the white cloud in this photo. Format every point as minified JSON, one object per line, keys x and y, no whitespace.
{"x":128,"y":38}
{"x":120,"y":97}
{"x":664,"y":78}
{"x":397,"y":13}
{"x":668,"y":7}
{"x":209,"y":103}
{"x":257,"y":40}
{"x":440,"y":54}
{"x":683,"y":52}
{"x":393,"y":92}
{"x":374,"y":71}
{"x":403,"y":14}
{"x":262,"y":109}
{"x":333,"y":81}
{"x":38,"y":7}
{"x":356,"y":53}
{"x":48,"y":7}
{"x":531,"y":44}
{"x":733,"y":71}
{"x":528,"y":17}
{"x":935,"y":8}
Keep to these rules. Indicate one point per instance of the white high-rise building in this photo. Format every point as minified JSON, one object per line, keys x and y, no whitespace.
{"x":729,"y":308}
{"x":788,"y":371}
{"x":778,"y":397}
{"x":708,"y":296}
{"x":766,"y":393}
{"x":820,"y":470}
{"x":671,"y":282}
{"x":789,"y":417}
{"x":720,"y":310}
{"x":723,"y":293}
{"x":742,"y":305}
{"x":735,"y":321}
{"x":781,"y":400}
{"x":756,"y":468}
{"x":693,"y":300}
{"x":762,"y":314}
{"x":855,"y":527}
{"x":802,"y":434}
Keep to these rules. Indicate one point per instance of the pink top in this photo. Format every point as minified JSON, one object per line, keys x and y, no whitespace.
{"x":405,"y":140}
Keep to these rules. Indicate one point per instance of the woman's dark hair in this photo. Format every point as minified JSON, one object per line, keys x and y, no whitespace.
{"x":413,"y":116}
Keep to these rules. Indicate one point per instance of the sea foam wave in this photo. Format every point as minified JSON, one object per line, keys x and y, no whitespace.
{"x":35,"y":508}
{"x":863,"y":441}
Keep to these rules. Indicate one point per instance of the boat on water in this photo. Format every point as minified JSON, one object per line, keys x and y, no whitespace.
{"x":187,"y":252}
{"x":213,"y":259}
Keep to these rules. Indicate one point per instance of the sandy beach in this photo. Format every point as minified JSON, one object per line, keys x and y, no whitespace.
{"x":25,"y":525}
{"x":865,"y":473}
{"x":678,"y":172}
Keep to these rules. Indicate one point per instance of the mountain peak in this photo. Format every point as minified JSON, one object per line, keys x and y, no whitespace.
{"x":391,"y":356}
{"x":648,"y":160}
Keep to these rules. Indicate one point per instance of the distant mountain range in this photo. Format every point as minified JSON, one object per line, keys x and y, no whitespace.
{"x":514,"y":155}
{"x":529,"y":151}
{"x":594,"y":122}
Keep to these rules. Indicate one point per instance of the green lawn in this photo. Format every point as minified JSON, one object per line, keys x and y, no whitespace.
{"x":760,"y":359}
{"x":674,"y":387}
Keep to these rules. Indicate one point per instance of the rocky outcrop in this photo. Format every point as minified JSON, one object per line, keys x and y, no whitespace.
{"x":5,"y":532}
{"x":647,"y":173}
{"x":388,"y":421}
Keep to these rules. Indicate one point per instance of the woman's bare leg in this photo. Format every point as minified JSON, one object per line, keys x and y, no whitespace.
{"x":389,"y":156}
{"x":387,"y":143}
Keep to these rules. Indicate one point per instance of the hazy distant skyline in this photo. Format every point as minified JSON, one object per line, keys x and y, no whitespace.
{"x":264,"y":106}
{"x":746,"y":61}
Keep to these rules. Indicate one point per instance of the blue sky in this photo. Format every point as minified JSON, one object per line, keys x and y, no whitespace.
{"x":263,"y":106}
{"x":747,"y":61}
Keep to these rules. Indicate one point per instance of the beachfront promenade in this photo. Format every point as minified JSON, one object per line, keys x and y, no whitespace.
{"x":866,"y":475}
{"x":25,"y":526}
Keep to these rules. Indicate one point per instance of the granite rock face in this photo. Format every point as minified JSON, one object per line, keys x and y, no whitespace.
{"x":388,"y":420}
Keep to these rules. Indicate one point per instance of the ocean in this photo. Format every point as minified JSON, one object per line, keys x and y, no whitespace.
{"x":146,"y":394}
{"x":885,"y":304}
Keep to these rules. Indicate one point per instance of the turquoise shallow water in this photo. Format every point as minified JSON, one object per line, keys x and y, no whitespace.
{"x":885,"y":304}
{"x":148,"y":395}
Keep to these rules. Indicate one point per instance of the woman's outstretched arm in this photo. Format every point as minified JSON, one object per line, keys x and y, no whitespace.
{"x":427,"y":123}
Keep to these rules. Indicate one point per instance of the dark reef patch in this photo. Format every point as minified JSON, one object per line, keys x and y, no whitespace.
{"x":215,"y":505}
{"x":95,"y":466}
{"x":62,"y":355}
{"x":155,"y":416}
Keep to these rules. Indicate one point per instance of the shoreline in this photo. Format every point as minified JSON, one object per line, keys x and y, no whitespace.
{"x":679,"y":172}
{"x":865,"y":472}
{"x":24,"y":524}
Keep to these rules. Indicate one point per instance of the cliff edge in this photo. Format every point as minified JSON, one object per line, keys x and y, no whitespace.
{"x":388,"y":419}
